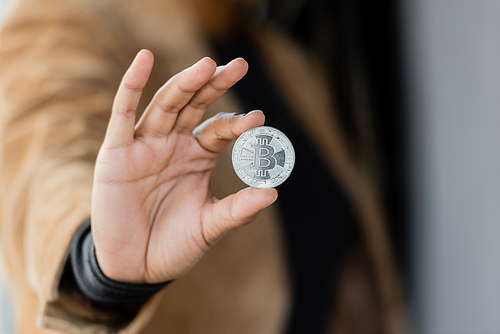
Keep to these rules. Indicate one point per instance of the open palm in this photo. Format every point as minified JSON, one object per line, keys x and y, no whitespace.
{"x":153,"y":215}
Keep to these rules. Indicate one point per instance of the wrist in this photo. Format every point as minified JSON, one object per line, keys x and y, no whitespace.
{"x":92,"y":281}
{"x":112,"y":271}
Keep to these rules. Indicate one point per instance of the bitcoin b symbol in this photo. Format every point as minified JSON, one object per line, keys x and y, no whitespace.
{"x":264,"y":159}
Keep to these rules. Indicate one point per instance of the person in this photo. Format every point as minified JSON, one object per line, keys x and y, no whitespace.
{"x":158,"y":187}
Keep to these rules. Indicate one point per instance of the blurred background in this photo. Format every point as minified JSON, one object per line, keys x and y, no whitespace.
{"x":418,"y":86}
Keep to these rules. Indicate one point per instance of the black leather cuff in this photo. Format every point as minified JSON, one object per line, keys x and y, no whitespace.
{"x":92,"y":282}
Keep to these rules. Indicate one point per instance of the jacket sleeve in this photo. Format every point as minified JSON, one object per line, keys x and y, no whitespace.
{"x":60,"y":66}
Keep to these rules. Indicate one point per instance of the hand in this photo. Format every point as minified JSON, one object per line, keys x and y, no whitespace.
{"x":153,"y":215}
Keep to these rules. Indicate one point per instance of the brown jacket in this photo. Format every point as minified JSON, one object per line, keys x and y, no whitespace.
{"x":60,"y":64}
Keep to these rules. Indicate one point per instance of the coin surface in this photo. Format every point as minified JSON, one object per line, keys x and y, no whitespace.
{"x":263,"y":157}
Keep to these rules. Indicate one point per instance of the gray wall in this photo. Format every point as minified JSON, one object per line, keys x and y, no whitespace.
{"x":4,"y":8}
{"x":452,"y":55}
{"x":5,"y":305}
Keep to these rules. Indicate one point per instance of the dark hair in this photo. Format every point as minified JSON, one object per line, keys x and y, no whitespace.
{"x":358,"y":42}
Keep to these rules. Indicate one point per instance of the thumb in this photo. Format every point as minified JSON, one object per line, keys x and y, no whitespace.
{"x":234,"y":211}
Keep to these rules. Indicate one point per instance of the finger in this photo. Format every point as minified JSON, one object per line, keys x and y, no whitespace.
{"x":122,"y":122}
{"x":161,"y":114}
{"x":224,"y":78}
{"x":234,"y":211}
{"x":216,"y":133}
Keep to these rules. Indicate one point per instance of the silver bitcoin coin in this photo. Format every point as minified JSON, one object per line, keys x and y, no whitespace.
{"x":263,"y":157}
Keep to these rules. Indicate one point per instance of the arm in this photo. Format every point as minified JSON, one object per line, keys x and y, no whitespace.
{"x":53,"y":124}
{"x":58,"y":76}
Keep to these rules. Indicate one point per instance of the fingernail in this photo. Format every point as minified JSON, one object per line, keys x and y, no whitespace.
{"x":253,"y":111}
{"x":201,"y":60}
{"x":240,"y":114}
{"x":232,"y":61}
